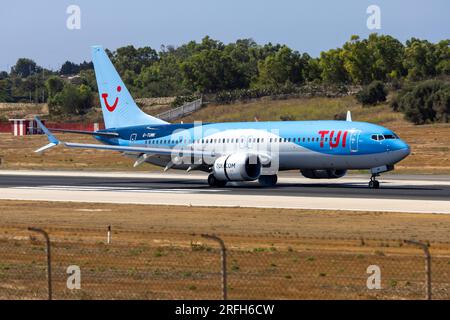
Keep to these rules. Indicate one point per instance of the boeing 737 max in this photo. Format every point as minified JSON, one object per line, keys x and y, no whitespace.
{"x":235,"y":151}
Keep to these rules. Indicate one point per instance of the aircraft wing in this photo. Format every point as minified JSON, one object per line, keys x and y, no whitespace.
{"x":92,"y":133}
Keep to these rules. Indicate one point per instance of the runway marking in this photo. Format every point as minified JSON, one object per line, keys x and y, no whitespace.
{"x":217,"y":199}
{"x":120,"y":189}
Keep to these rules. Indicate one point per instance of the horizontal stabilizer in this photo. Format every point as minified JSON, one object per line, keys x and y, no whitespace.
{"x":53,"y":141}
{"x":44,"y":148}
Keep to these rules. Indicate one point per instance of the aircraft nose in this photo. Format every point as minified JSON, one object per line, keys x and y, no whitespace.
{"x":402,"y":150}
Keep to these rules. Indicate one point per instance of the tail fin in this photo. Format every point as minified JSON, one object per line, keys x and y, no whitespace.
{"x":118,"y":107}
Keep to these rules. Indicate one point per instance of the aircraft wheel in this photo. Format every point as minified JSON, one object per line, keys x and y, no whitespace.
{"x":268,"y":181}
{"x":374,"y":184}
{"x":214,"y":182}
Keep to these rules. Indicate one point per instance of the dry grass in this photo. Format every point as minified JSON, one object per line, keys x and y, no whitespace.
{"x":430,"y":143}
{"x":157,"y":252}
{"x":228,"y":221}
{"x":18,"y":153}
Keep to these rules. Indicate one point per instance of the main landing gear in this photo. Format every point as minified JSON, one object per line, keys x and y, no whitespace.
{"x":214,"y":182}
{"x":374,"y":183}
{"x":268,"y":181}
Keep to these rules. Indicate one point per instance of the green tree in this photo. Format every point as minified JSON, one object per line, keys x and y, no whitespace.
{"x":5,"y":91}
{"x":24,"y":67}
{"x":54,"y":85}
{"x":71,"y":100}
{"x":388,"y":54}
{"x":131,"y":59}
{"x":285,"y":66}
{"x":332,"y":65}
{"x":420,"y":59}
{"x":358,"y":60}
{"x":69,"y":68}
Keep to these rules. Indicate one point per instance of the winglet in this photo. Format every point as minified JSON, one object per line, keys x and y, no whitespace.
{"x":349,"y":116}
{"x":51,"y":138}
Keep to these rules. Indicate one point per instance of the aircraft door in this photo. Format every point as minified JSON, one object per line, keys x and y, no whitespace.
{"x":354,"y":139}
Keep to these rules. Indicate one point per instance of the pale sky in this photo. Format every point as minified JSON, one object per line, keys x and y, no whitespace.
{"x":37,"y":29}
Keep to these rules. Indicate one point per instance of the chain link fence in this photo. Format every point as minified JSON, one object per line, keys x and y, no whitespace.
{"x":131,"y":264}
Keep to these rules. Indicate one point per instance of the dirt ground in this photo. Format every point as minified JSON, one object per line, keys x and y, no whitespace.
{"x":228,"y":221}
{"x":157,"y":252}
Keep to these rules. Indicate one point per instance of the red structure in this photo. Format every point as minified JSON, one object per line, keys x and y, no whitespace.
{"x":21,"y":127}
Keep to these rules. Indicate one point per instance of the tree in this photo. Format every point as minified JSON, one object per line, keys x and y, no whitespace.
{"x":388,"y":54}
{"x":332,"y":65}
{"x":5,"y":91}
{"x":24,"y":68}
{"x":358,"y":60}
{"x":69,"y":68}
{"x":71,"y":100}
{"x":421,"y":59}
{"x":285,"y":66}
{"x":54,"y":85}
{"x":132,"y":59}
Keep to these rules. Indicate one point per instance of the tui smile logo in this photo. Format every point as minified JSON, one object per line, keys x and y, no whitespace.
{"x":111,"y":108}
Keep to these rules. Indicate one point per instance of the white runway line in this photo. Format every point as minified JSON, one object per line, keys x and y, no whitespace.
{"x":224,"y":200}
{"x":291,"y":177}
{"x":121,"y":189}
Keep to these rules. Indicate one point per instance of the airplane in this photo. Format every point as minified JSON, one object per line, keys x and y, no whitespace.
{"x":235,"y":151}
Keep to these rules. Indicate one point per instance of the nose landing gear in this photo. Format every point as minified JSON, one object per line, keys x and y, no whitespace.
{"x":374,"y":183}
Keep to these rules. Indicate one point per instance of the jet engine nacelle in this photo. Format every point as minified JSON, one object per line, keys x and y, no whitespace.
{"x":323,"y":174}
{"x":237,"y":167}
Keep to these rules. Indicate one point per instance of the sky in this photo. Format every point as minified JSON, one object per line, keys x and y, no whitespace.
{"x":38,"y":29}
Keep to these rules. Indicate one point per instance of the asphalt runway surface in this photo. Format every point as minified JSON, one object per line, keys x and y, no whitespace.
{"x":393,"y":187}
{"x":424,"y":193}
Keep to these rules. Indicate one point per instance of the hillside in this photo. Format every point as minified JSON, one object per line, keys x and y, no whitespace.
{"x":429,"y":143}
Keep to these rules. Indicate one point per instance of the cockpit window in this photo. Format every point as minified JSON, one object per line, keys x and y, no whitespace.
{"x":380,"y":137}
{"x":392,"y":135}
{"x":375,"y":137}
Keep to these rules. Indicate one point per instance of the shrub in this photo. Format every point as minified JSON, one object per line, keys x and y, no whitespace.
{"x":372,"y":94}
{"x":425,"y":102}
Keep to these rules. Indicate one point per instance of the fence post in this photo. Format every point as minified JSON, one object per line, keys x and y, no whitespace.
{"x":108,"y":235}
{"x":224,"y":263}
{"x":424,"y":247}
{"x":49,"y":259}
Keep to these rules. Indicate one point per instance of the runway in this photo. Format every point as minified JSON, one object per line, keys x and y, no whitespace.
{"x":399,"y":193}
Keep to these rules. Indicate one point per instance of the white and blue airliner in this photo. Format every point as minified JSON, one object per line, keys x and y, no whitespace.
{"x":235,"y":151}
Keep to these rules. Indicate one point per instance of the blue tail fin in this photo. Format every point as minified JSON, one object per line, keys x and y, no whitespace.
{"x":118,"y":107}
